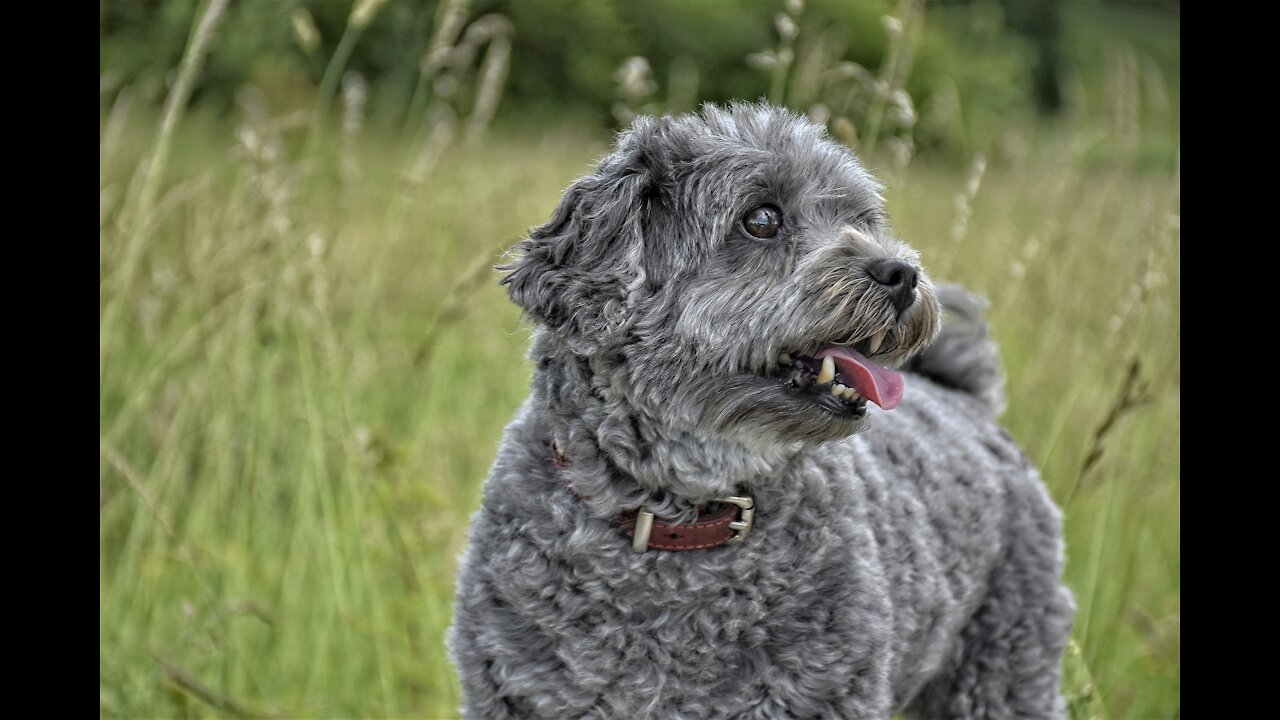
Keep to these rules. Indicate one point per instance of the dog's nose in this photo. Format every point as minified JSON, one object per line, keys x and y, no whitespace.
{"x":899,"y":279}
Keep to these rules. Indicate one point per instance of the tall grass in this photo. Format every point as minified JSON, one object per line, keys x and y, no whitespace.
{"x":301,"y":398}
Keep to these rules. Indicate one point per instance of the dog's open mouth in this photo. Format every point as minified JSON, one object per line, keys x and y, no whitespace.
{"x":841,"y":378}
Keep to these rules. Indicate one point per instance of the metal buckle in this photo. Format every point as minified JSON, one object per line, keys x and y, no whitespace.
{"x":746,"y":515}
{"x":741,"y":527}
{"x":644,"y":526}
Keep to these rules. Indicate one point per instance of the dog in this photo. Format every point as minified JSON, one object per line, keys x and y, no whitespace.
{"x":720,"y":498}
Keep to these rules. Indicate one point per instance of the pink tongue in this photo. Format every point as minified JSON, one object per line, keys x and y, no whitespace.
{"x":880,"y":385}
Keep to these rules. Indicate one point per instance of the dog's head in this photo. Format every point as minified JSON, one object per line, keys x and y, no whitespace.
{"x":732,"y":271}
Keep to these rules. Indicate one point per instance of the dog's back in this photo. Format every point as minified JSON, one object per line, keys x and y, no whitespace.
{"x":964,"y":356}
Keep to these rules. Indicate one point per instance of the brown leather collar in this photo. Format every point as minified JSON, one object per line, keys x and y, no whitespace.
{"x":728,"y":525}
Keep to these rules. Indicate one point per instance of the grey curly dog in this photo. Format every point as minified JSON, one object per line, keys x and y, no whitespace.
{"x":696,"y":514}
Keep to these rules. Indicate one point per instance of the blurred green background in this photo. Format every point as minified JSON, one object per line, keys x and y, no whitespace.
{"x":306,"y":361}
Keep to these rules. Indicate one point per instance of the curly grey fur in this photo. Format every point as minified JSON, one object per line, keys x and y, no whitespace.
{"x":963,"y":356}
{"x":907,"y":560}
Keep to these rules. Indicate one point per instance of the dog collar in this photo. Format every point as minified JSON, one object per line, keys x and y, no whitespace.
{"x":729,"y":525}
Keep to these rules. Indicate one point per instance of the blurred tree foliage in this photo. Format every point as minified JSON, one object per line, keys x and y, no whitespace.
{"x":975,"y":61}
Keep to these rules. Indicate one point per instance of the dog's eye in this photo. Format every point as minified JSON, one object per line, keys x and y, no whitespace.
{"x":762,"y":222}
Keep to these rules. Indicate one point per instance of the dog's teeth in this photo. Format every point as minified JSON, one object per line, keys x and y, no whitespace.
{"x":839,"y":390}
{"x":828,"y":372}
{"x":873,"y":344}
{"x":852,"y":394}
{"x":784,"y":359}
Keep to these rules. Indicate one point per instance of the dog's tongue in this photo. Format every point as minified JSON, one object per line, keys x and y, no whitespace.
{"x":880,"y":385}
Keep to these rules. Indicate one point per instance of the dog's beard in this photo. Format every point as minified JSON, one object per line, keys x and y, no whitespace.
{"x":776,"y":389}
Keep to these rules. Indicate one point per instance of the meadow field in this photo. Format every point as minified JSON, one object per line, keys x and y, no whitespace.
{"x":306,"y":362}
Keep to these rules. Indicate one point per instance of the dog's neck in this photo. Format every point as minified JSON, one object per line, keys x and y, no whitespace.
{"x":622,"y":457}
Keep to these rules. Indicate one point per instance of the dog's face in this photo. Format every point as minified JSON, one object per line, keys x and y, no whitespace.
{"x":731,"y":272}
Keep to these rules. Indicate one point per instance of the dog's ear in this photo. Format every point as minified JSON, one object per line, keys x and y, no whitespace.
{"x":581,"y":272}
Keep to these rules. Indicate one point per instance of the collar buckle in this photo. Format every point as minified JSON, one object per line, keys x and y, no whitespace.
{"x":746,"y":516}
